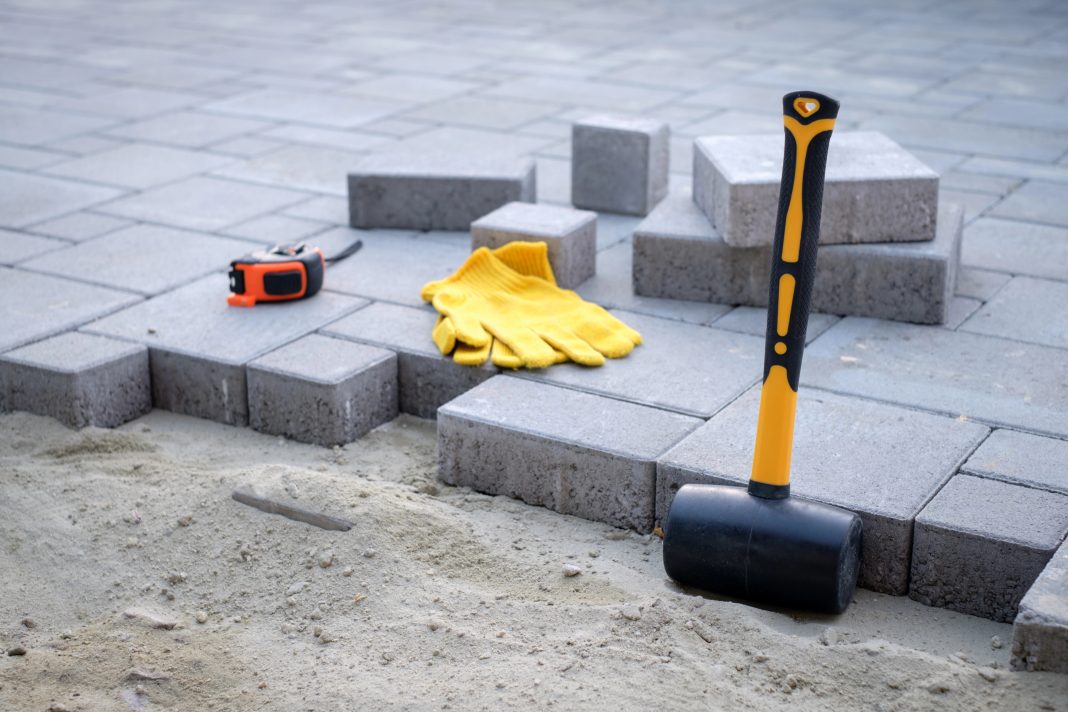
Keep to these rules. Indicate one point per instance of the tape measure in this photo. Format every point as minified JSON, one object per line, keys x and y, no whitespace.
{"x":280,"y":274}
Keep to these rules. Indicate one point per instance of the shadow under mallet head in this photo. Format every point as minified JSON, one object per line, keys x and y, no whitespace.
{"x":759,"y":543}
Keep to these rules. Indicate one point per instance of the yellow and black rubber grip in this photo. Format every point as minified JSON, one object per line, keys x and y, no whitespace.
{"x":809,"y":120}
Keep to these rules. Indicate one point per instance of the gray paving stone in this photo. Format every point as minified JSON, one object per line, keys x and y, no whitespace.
{"x":34,"y":306}
{"x":78,"y":379}
{"x":679,"y":255}
{"x":411,"y":87}
{"x":575,"y":453}
{"x":977,"y":183}
{"x":466,"y":141}
{"x":970,"y":137}
{"x":960,"y":310}
{"x":975,"y":204}
{"x":146,"y":259}
{"x":672,"y":369}
{"x":1017,"y":247}
{"x":129,"y":102}
{"x":611,"y":288}
{"x":28,"y":159}
{"x":1038,"y":201}
{"x":189,"y":129}
{"x":246,"y":146}
{"x":27,"y":199}
{"x":85,"y":144}
{"x":980,"y":544}
{"x":579,"y":92}
{"x":333,"y":138}
{"x":875,"y":190}
{"x":312,"y":168}
{"x":571,"y":236}
{"x":1021,"y":458}
{"x":276,"y":229}
{"x":1040,"y":631}
{"x":482,"y":112}
{"x":322,"y":390}
{"x":203,"y":203}
{"x":323,"y":208}
{"x":138,"y":165}
{"x":883,"y":462}
{"x":1026,"y":309}
{"x":1015,"y":169}
{"x":80,"y":226}
{"x":31,"y":127}
{"x":435,"y":191}
{"x":427,"y":380}
{"x":18,"y":246}
{"x":753,"y":320}
{"x":977,"y":283}
{"x":619,"y":164}
{"x":985,"y":378}
{"x":323,"y":109}
{"x":199,"y":346}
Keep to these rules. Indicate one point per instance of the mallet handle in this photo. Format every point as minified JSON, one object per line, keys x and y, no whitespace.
{"x":809,"y":119}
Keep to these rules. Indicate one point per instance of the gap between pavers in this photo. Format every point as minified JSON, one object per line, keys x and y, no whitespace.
{"x":572,"y":452}
{"x":881,"y":461}
{"x":199,"y":345}
{"x":1022,"y":458}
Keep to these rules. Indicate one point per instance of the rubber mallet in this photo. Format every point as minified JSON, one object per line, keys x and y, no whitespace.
{"x":759,"y":543}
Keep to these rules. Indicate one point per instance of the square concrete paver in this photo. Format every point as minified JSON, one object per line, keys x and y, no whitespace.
{"x":881,"y":461}
{"x":34,"y":306}
{"x":203,"y":203}
{"x":1026,"y":309}
{"x":1017,"y":247}
{"x":1022,"y":458}
{"x":146,"y":259}
{"x":138,"y":165}
{"x":994,"y":380}
{"x":27,"y":199}
{"x":199,"y":345}
{"x":575,"y":453}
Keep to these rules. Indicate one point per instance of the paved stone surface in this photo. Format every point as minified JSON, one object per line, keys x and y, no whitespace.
{"x":17,"y":246}
{"x":1040,"y":631}
{"x":571,"y":236}
{"x":678,"y":254}
{"x":322,"y":390}
{"x":875,"y":190}
{"x":1021,"y":458}
{"x":1026,"y":309}
{"x":80,"y":226}
{"x":34,"y":306}
{"x":336,"y":111}
{"x":1017,"y":247}
{"x":199,"y":345}
{"x":979,"y":284}
{"x":681,"y":367}
{"x":78,"y":379}
{"x":427,"y":379}
{"x":314,"y":168}
{"x":28,"y":199}
{"x":989,"y":379}
{"x":751,"y":320}
{"x":619,"y":164}
{"x":435,"y":191}
{"x":1038,"y":201}
{"x":572,"y":452}
{"x":146,"y":259}
{"x":138,"y":165}
{"x":881,"y":461}
{"x":980,"y":544}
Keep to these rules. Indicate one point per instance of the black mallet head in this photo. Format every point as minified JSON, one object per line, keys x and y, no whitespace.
{"x":785,"y":552}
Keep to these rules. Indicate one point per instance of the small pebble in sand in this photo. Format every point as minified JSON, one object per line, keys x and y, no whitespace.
{"x":760,"y":658}
{"x":201,"y":616}
{"x":631,"y":612}
{"x":29,"y":622}
{"x":58,"y":707}
{"x":326,"y":559}
{"x":594,"y":553}
{"x":185,"y":520}
{"x":347,"y":571}
{"x":370,"y":554}
{"x":17,"y":650}
{"x":829,"y":636}
{"x":987,"y":674}
{"x":296,"y":588}
{"x":433,"y":624}
{"x":995,"y":642}
{"x":571,"y":570}
{"x":327,"y":637}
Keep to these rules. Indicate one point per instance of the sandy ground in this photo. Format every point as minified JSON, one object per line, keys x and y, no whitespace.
{"x":437,"y":598}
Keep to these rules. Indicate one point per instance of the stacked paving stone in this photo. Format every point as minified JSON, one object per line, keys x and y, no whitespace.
{"x":890,"y":250}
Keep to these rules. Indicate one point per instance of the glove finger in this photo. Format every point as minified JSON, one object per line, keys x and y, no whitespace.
{"x":607,"y":336}
{"x":444,"y":335}
{"x":466,"y":355}
{"x":467,"y":327}
{"x":575,"y":348}
{"x":527,"y":345}
{"x":504,"y":356}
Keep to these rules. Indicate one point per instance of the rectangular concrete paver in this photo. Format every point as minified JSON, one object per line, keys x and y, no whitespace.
{"x":980,"y":544}
{"x":78,"y":227}
{"x":313,"y":168}
{"x":18,"y":246}
{"x":752,"y":320}
{"x":619,"y":164}
{"x":427,"y":379}
{"x":575,"y":453}
{"x":1022,"y":458}
{"x":875,"y":190}
{"x":78,"y":379}
{"x":1017,"y":247}
{"x":27,"y":199}
{"x":881,"y":461}
{"x":989,"y":379}
{"x":681,"y":367}
{"x":1027,"y":309}
{"x":1040,"y":631}
{"x":1038,"y":201}
{"x":199,"y":345}
{"x":138,"y":165}
{"x":322,"y":390}
{"x":334,"y":110}
{"x":980,"y":284}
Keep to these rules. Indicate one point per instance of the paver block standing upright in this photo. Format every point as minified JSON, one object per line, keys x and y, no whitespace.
{"x":435,"y":191}
{"x":980,"y":544}
{"x":1040,"y":631}
{"x":882,"y":462}
{"x":571,"y":236}
{"x":575,"y":453}
{"x":679,"y":255}
{"x":199,"y":346}
{"x":427,"y":380}
{"x":619,"y":164}
{"x":875,"y":190}
{"x":322,"y":390}
{"x":78,"y":379}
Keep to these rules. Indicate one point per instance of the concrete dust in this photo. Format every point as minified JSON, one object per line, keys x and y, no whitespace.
{"x":437,"y":598}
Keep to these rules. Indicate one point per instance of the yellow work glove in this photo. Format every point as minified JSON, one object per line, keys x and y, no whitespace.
{"x":532,"y":317}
